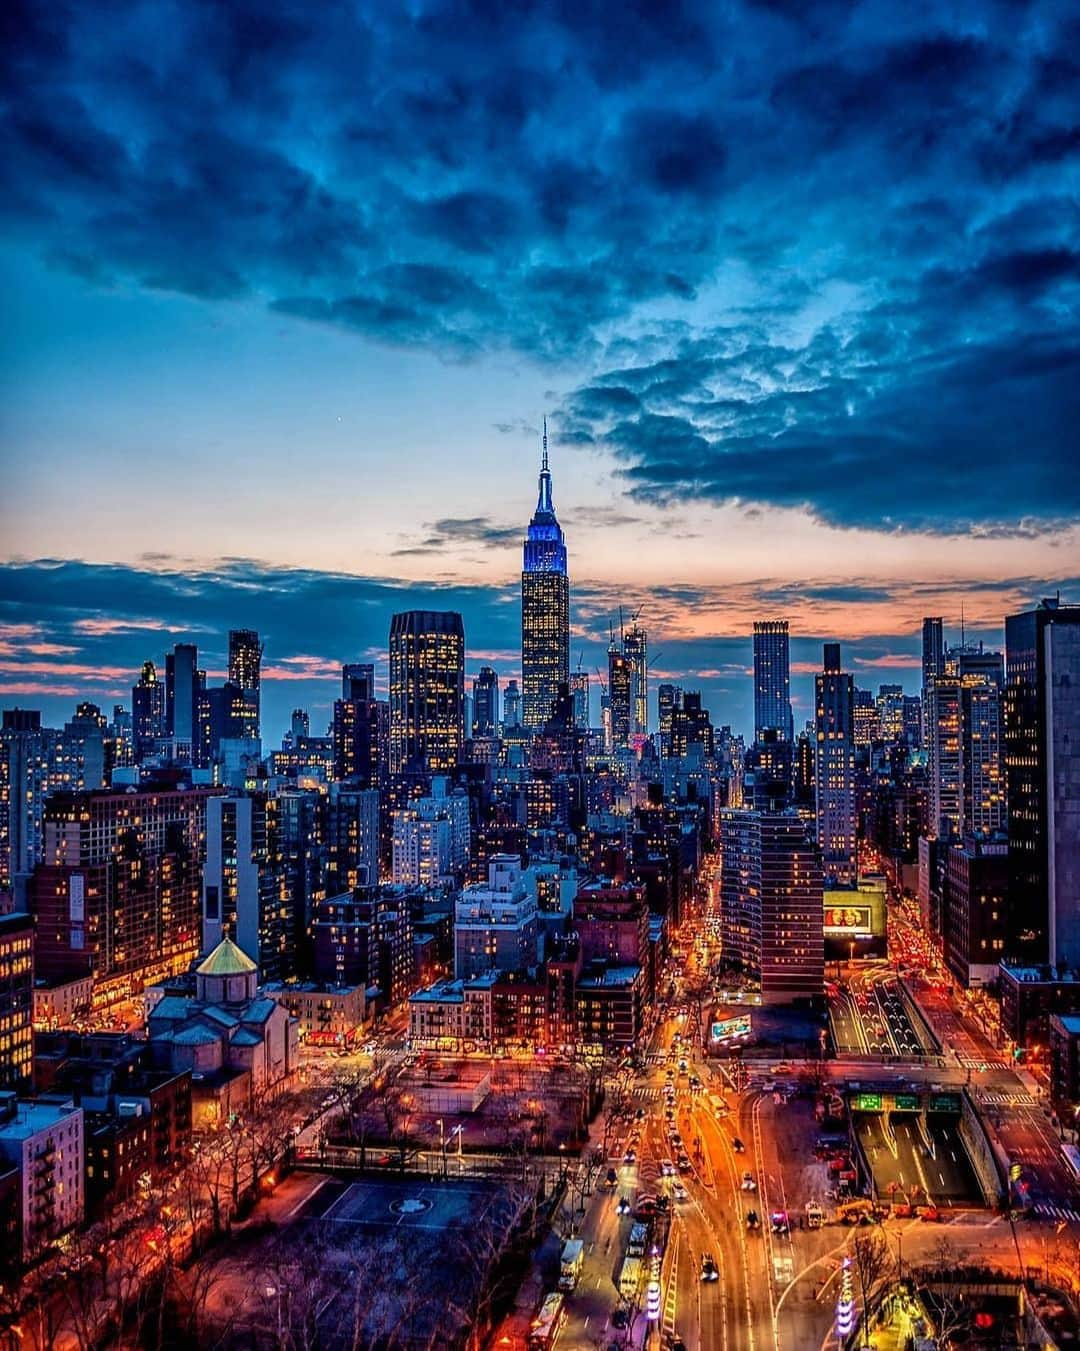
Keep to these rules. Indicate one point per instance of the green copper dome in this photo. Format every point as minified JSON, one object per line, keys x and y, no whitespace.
{"x":226,"y":960}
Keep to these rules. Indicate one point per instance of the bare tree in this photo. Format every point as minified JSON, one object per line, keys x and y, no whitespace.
{"x":946,"y":1284}
{"x":497,"y":1240}
{"x":874,"y":1266}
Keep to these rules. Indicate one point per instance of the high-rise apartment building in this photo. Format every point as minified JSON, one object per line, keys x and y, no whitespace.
{"x":1042,"y":768}
{"x":28,"y":761}
{"x":545,"y":608}
{"x":496,"y":926}
{"x":943,"y":725}
{"x":118,"y":893}
{"x":355,"y":729}
{"x":352,"y":837}
{"x":427,"y":691}
{"x":982,"y":766}
{"x":485,"y":717}
{"x":772,"y":905}
{"x":668,"y":698}
{"x":772,"y":678}
{"x":792,"y":912}
{"x":867,"y":721}
{"x":242,"y":897}
{"x":834,"y":770}
{"x":890,"y":713}
{"x":691,"y":726}
{"x":16,"y":1001}
{"x":420,"y":849}
{"x":963,"y":731}
{"x":245,"y":670}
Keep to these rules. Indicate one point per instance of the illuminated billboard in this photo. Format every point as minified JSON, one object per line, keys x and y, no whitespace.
{"x":850,"y":920}
{"x":731,"y":1027}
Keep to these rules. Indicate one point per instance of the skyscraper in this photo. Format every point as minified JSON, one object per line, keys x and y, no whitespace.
{"x":355,"y":729}
{"x":669,"y":698}
{"x":512,"y":705}
{"x":772,"y":678}
{"x":834,"y":772}
{"x":485,"y":719}
{"x":635,"y":650}
{"x":942,"y":736}
{"x":963,"y":731}
{"x":147,"y":712}
{"x":579,"y":689}
{"x":181,"y":696}
{"x":545,"y":608}
{"x":933,"y":665}
{"x":771,"y":903}
{"x":427,"y":691}
{"x":241,"y":898}
{"x":245,"y":668}
{"x":620,"y":695}
{"x":1042,"y":768}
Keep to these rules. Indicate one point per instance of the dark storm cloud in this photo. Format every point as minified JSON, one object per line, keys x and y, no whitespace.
{"x":811,"y":255}
{"x":463,"y":530}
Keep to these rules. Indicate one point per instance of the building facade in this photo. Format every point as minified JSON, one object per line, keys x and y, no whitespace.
{"x":1042,"y":772}
{"x":16,"y":1001}
{"x":485,"y":718}
{"x":496,"y":926}
{"x":44,"y":1141}
{"x":834,"y":770}
{"x":427,"y":691}
{"x":545,"y":608}
{"x":772,"y":679}
{"x":119,"y":892}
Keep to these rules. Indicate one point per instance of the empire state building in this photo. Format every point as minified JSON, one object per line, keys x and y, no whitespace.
{"x":545,"y":608}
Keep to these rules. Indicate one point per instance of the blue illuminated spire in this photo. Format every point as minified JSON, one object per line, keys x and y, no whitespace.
{"x":544,"y":505}
{"x":545,"y":548}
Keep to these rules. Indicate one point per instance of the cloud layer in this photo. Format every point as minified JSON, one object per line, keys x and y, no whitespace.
{"x":818,"y":256}
{"x":72,"y":630}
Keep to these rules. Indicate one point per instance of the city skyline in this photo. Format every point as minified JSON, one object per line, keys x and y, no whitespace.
{"x":793,"y":288}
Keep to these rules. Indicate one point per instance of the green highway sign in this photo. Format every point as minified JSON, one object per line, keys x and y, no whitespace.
{"x":906,"y":1102}
{"x":868,"y":1102}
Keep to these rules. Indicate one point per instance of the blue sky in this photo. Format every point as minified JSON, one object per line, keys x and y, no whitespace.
{"x":290,"y":287}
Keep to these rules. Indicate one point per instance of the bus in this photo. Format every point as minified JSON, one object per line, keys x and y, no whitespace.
{"x":545,"y":1326}
{"x":1072,"y":1160}
{"x":630,"y":1277}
